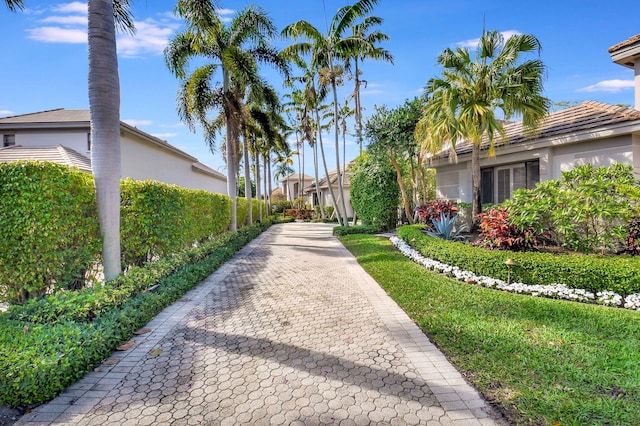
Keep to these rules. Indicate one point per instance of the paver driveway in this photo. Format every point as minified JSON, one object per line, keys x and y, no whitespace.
{"x":290,"y":331}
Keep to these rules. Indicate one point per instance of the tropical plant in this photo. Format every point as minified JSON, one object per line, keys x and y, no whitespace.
{"x":443,"y":227}
{"x":497,"y":231}
{"x":235,"y":49}
{"x":463,"y":102}
{"x":324,"y":50}
{"x":427,"y":213}
{"x":390,"y":133}
{"x":588,"y":209}
{"x":371,"y":50}
{"x":14,"y":5}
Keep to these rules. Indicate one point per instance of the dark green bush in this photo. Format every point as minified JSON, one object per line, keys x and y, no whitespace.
{"x":594,"y":273}
{"x":46,"y":345}
{"x":375,"y":191}
{"x":339,"y":231}
{"x":49,"y":234}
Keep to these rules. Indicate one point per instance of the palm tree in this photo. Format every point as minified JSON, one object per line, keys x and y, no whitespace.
{"x":235,"y":50}
{"x":14,"y":5}
{"x":462,"y":103}
{"x":104,"y":106}
{"x":370,"y":50}
{"x":324,"y":50}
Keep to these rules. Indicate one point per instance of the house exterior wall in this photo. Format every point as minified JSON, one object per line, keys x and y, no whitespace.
{"x":454,"y":181}
{"x":163,"y":165}
{"x":140,"y":159}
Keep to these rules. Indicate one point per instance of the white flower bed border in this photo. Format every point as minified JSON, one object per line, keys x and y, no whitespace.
{"x":555,"y":291}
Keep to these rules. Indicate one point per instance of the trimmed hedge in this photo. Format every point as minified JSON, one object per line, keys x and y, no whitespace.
{"x":48,"y":344}
{"x":339,"y":231}
{"x":49,"y":233}
{"x":620,"y":274}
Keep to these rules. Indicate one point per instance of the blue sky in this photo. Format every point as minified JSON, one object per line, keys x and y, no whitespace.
{"x":44,"y":54}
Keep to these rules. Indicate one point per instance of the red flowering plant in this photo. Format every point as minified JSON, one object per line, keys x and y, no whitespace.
{"x":427,"y":213}
{"x":497,"y":232}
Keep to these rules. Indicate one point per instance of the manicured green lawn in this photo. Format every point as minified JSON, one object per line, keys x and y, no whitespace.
{"x":541,"y":361}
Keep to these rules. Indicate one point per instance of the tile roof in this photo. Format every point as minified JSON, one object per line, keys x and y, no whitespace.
{"x":56,"y":154}
{"x":627,"y":42}
{"x":587,"y":116}
{"x":59,"y":115}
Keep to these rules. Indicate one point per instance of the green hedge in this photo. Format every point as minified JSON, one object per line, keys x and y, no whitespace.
{"x":49,"y":234}
{"x":357,"y":229}
{"x":158,"y":219}
{"x":594,"y":273}
{"x":47,"y":344}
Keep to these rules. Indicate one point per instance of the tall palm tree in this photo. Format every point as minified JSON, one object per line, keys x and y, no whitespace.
{"x":104,"y":105}
{"x":325,"y":49}
{"x":369,"y":50}
{"x":235,"y":50}
{"x":462,"y":103}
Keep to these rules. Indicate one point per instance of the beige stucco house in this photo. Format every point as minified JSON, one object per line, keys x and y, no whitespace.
{"x":291,"y":185}
{"x":592,"y":132}
{"x":325,"y":194}
{"x":63,"y":136}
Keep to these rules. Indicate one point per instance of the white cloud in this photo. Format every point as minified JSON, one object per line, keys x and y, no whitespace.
{"x":5,"y":112}
{"x":58,"y":35}
{"x":67,"y":23}
{"x":226,"y":14}
{"x":164,"y":136}
{"x":73,"y":7}
{"x":137,"y":123}
{"x":474,"y":42}
{"x":150,"y":37}
{"x":612,"y":86}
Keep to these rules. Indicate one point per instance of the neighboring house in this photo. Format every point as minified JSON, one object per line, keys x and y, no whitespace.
{"x":291,"y":185}
{"x":64,"y":136}
{"x":592,"y":132}
{"x":325,"y":195}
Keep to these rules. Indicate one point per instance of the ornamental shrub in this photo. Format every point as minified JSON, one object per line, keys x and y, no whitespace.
{"x":498,"y":232}
{"x":375,"y":191}
{"x":587,"y":209}
{"x":49,"y":232}
{"x":431,"y":211}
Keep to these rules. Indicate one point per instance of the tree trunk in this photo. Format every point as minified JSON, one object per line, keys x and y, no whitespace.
{"x":405,"y":201}
{"x":264,"y":183}
{"x":316,"y":176}
{"x":423,"y":182}
{"x":270,"y":188}
{"x":247,"y":180}
{"x":232,"y":186}
{"x":475,"y":173}
{"x":358,"y":109}
{"x":104,"y":104}
{"x":256,"y":161}
{"x":344,"y":221}
{"x":326,"y":171}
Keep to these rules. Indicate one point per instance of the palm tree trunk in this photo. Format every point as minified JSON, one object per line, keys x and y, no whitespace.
{"x":316,"y":176}
{"x":326,"y":170}
{"x":104,"y":104}
{"x":232,"y":189}
{"x":475,"y":173}
{"x":344,"y":221}
{"x":270,"y":180}
{"x":358,"y":109}
{"x":256,"y":161}
{"x":247,"y":180}
{"x":405,"y":201}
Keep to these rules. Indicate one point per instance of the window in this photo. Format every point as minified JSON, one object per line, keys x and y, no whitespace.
{"x":8,"y":140}
{"x":508,"y":179}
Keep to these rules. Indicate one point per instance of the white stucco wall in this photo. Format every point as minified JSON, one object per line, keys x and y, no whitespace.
{"x":74,"y":139}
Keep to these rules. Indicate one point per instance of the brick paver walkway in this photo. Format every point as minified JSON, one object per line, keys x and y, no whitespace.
{"x":290,"y":331}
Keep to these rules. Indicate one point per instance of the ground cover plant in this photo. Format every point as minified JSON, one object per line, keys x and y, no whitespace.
{"x":540,"y":361}
{"x":48,"y":343}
